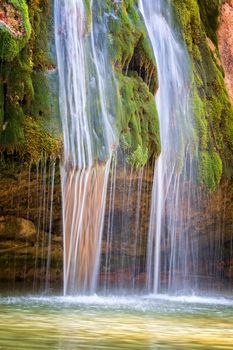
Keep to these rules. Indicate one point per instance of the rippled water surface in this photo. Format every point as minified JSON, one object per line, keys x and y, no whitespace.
{"x":116,"y":323}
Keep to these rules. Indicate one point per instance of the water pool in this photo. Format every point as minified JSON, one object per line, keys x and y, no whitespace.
{"x":96,"y":322}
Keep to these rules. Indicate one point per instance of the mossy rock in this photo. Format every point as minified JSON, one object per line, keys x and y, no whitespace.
{"x":209,"y":11}
{"x":40,"y":104}
{"x":213,"y":113}
{"x":210,"y":169}
{"x":38,"y":142}
{"x":134,"y":63}
{"x":25,"y":99}
{"x":13,"y":37}
{"x":137,"y":121}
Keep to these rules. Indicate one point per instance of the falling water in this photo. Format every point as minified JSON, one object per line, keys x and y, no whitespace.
{"x":126,"y":226}
{"x":171,"y":254}
{"x":86,"y":107}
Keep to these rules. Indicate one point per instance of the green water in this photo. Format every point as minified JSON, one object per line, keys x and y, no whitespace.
{"x":115,"y":323}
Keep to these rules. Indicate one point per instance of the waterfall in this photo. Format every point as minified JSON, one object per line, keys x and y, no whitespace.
{"x":172,"y":255}
{"x":86,"y":107}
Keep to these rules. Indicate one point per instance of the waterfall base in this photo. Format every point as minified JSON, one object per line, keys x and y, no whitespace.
{"x":84,"y":194}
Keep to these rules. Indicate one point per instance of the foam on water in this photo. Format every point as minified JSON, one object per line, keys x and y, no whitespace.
{"x":151,"y":302}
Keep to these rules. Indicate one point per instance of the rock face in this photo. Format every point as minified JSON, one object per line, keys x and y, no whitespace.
{"x":27,"y":249}
{"x":25,"y":226}
{"x":12,"y":19}
{"x":210,"y":228}
{"x":225,"y":35}
{"x":15,"y":28}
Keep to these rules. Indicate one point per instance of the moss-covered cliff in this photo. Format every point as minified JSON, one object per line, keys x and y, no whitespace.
{"x":135,"y":68}
{"x":213,"y":112}
{"x":25,"y":103}
{"x":25,"y":96}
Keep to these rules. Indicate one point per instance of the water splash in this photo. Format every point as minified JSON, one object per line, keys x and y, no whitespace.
{"x":86,"y":107}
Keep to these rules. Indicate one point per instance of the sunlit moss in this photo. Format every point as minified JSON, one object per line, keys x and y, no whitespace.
{"x":210,"y":169}
{"x":38,"y":142}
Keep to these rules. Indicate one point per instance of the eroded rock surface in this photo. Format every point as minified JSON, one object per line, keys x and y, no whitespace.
{"x":225,"y":35}
{"x":12,"y":19}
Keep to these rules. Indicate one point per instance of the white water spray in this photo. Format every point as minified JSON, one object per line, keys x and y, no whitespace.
{"x":86,"y":95}
{"x":171,"y":254}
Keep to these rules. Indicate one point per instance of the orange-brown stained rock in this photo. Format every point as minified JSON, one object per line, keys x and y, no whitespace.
{"x":225,"y":35}
{"x":11,"y":18}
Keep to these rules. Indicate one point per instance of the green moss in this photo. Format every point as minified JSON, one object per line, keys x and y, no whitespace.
{"x":137,"y":120}
{"x":18,"y":94}
{"x":130,"y":47}
{"x":12,"y":134}
{"x":124,"y":33}
{"x":210,"y":169}
{"x":213,"y":112}
{"x":26,"y":95}
{"x":17,"y":75}
{"x":38,"y":49}
{"x":139,"y":157}
{"x":201,"y":125}
{"x":38,"y":142}
{"x":10,"y":43}
{"x":187,"y":12}
{"x":40,"y":105}
{"x":133,"y":60}
{"x":209,"y":10}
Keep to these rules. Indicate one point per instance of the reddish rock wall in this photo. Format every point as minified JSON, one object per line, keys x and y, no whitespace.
{"x":225,"y":35}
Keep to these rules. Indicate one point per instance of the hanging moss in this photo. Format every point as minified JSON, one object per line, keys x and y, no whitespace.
{"x":40,"y":13}
{"x":134,"y":63}
{"x":38,"y":142}
{"x":137,"y":120}
{"x":40,"y":105}
{"x":26,"y":95}
{"x":124,"y":33}
{"x":210,"y":169}
{"x":209,"y":11}
{"x":12,"y":133}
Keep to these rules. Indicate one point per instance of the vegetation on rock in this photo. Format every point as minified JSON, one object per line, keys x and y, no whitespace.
{"x":15,"y":28}
{"x":25,"y":92}
{"x":135,"y":67}
{"x":24,"y":86}
{"x":212,"y":109}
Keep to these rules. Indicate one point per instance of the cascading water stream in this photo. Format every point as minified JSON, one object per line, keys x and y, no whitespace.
{"x":86,"y":94}
{"x":171,"y":253}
